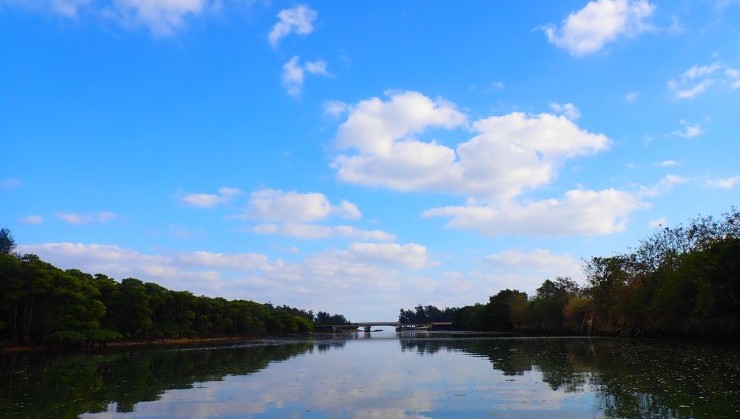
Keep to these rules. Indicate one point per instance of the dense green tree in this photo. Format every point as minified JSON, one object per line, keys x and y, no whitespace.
{"x":324,"y":318}
{"x":7,"y":243}
{"x":547,"y":306}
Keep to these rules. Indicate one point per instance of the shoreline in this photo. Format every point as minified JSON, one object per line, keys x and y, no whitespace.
{"x":20,"y":348}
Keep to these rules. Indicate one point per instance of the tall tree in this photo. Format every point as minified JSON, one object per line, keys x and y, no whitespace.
{"x":7,"y":243}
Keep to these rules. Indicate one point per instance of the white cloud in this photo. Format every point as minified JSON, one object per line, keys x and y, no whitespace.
{"x":373,"y":126}
{"x":67,"y":8}
{"x":690,"y":92}
{"x":699,"y":78}
{"x":733,"y":76}
{"x":87,"y":218}
{"x":160,"y":17}
{"x":348,"y":210}
{"x":298,"y":20}
{"x":32,"y":219}
{"x":105,"y":216}
{"x":317,"y":67}
{"x":539,"y":258}
{"x":631,"y":96}
{"x":668,"y":163}
{"x":204,"y":200}
{"x":508,"y":154}
{"x":662,"y":186}
{"x":294,"y":74}
{"x":568,"y":110}
{"x":724,"y":183}
{"x":698,"y":71}
{"x":335,"y":108}
{"x":295,"y":207}
{"x":599,"y":23}
{"x":292,"y":77}
{"x":316,"y":231}
{"x":198,"y":272}
{"x":689,"y":131}
{"x":580,"y":212}
{"x":526,"y":270}
{"x":296,"y":215}
{"x":411,"y":256}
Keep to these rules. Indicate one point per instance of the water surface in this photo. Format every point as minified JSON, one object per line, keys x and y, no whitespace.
{"x":386,"y":376}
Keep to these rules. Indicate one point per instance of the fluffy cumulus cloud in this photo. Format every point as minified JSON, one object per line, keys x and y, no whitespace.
{"x":291,"y":206}
{"x":205,"y":200}
{"x":296,"y":20}
{"x":412,"y":256}
{"x":578,"y":212}
{"x":502,"y":158}
{"x":507,"y":154}
{"x":599,"y":23}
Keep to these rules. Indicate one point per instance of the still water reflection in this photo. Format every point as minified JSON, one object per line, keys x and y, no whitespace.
{"x":384,"y":376}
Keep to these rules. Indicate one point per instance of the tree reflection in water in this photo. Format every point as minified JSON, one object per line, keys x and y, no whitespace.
{"x":628,"y":378}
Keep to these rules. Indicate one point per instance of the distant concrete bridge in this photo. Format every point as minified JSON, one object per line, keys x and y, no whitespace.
{"x":399,"y":326}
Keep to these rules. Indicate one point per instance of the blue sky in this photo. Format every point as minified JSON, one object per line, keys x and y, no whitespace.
{"x":360,"y":157}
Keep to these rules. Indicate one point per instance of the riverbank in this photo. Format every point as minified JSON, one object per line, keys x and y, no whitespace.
{"x":172,"y":341}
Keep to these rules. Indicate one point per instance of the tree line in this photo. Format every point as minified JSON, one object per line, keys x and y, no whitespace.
{"x":682,"y":280}
{"x":40,"y":303}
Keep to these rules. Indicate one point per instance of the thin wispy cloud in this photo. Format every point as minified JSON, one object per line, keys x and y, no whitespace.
{"x":294,"y":74}
{"x":32,"y":219}
{"x":689,"y":131}
{"x":699,"y":78}
{"x":631,"y":96}
{"x":75,"y":218}
{"x":163,"y":18}
{"x":724,"y":183}
{"x":568,"y":110}
{"x":205,"y":200}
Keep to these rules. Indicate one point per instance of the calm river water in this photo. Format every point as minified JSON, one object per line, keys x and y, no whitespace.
{"x":383,"y":376}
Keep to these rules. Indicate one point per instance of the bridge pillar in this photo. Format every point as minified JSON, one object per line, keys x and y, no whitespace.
{"x":367,"y":329}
